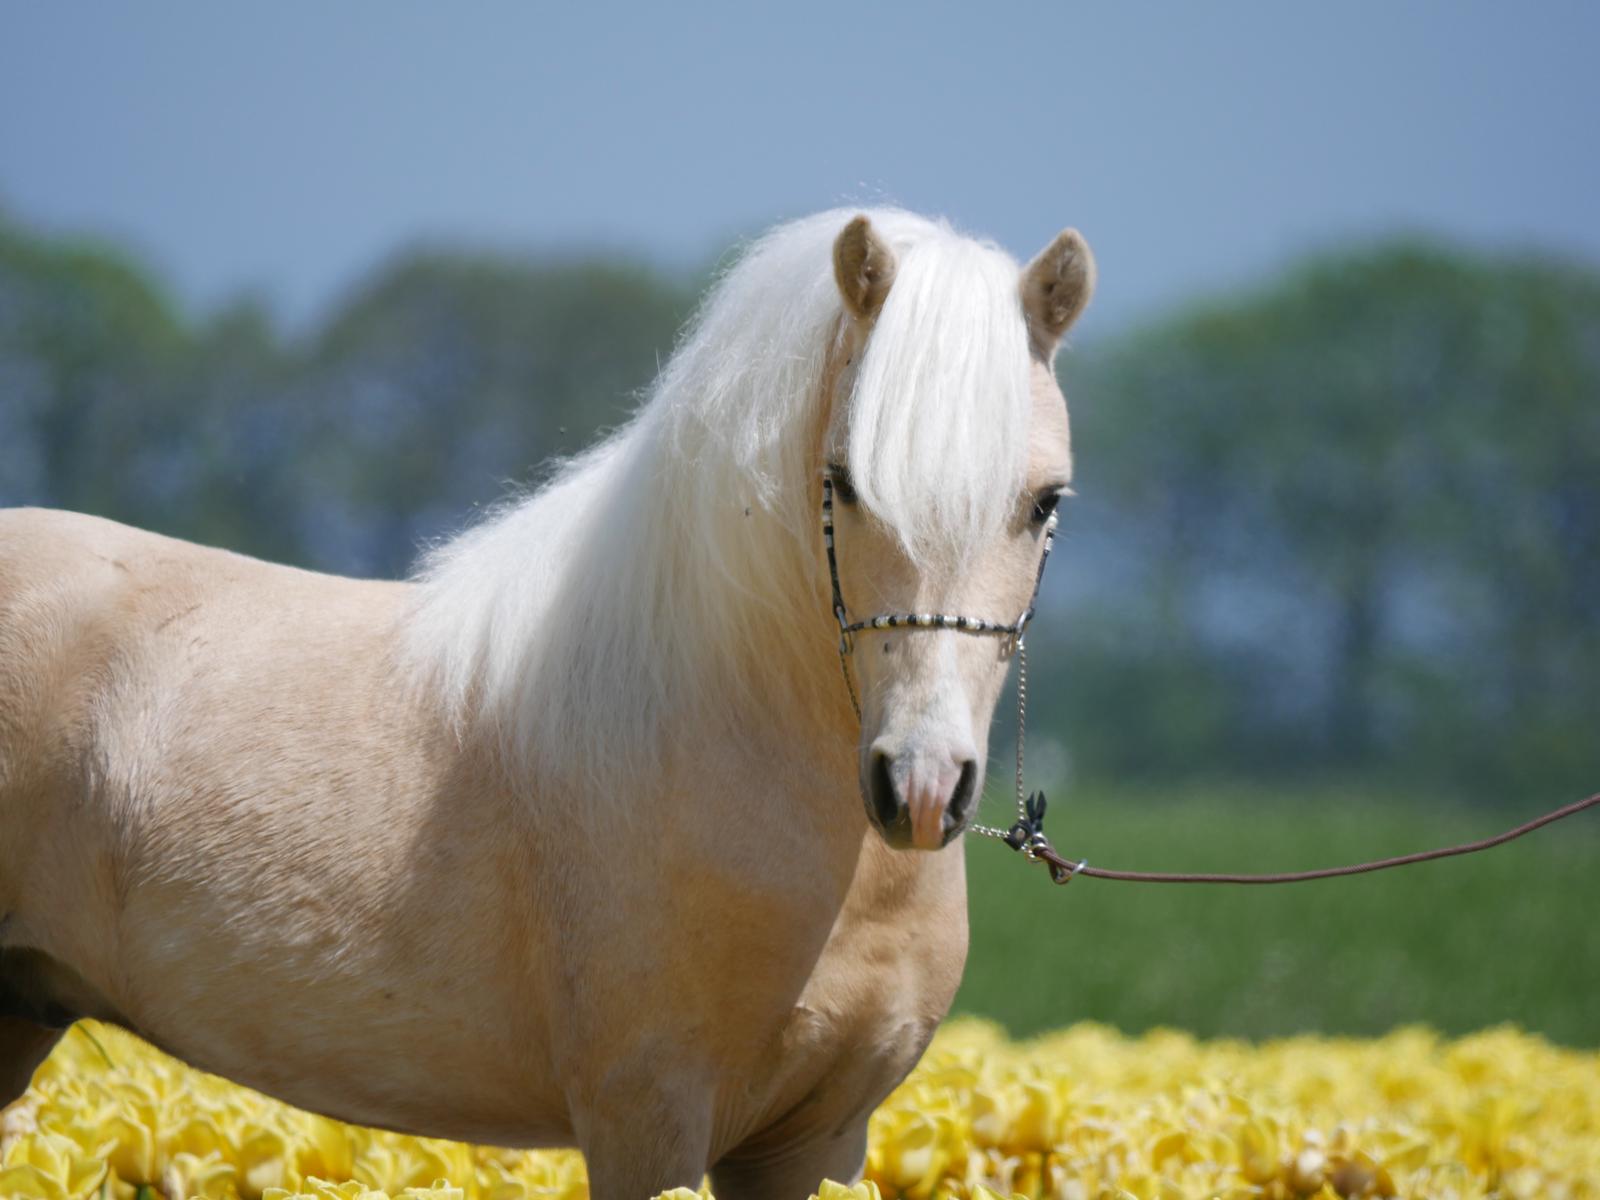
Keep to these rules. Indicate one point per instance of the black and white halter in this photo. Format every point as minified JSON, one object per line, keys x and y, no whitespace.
{"x":1021,"y":835}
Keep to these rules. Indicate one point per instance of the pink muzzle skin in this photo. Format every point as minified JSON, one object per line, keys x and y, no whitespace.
{"x":928,"y":794}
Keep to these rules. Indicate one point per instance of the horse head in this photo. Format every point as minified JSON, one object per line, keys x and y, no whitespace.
{"x":945,"y":454}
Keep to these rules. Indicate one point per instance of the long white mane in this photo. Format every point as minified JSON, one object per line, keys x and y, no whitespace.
{"x":661,"y":573}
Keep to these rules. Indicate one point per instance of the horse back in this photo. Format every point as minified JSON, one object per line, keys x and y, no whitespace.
{"x":62,"y":584}
{"x":111,"y":640}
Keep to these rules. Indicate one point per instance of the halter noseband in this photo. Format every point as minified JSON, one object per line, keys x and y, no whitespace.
{"x":1012,"y":633}
{"x":847,"y":628}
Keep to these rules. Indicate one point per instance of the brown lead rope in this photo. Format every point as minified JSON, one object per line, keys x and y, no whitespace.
{"x":1027,"y":835}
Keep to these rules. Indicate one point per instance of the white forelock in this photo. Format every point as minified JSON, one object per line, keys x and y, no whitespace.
{"x":940,"y":412}
{"x":573,"y":621}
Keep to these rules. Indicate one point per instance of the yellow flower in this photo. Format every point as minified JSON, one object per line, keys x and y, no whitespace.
{"x":1084,"y":1114}
{"x":48,"y":1165}
{"x":837,"y":1191}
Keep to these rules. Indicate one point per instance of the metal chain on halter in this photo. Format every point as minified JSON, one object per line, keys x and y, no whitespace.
{"x":1027,"y":834}
{"x":1022,"y":711}
{"x":991,"y":831}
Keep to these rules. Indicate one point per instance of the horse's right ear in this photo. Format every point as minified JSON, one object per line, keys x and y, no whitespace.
{"x":863,"y":266}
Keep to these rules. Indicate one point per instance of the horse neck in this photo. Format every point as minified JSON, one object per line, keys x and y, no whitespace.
{"x":775,"y":753}
{"x":676,"y":614}
{"x":771,"y":659}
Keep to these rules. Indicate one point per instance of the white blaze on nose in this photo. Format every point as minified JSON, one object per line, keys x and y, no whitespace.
{"x":924,"y":745}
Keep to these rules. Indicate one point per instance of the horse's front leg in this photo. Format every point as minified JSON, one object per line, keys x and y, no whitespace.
{"x":792,"y":1171}
{"x":23,"y":1046}
{"x":641,"y":1136}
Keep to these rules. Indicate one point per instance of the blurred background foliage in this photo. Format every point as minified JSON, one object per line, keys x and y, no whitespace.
{"x":1335,"y":556}
{"x":1351,"y":520}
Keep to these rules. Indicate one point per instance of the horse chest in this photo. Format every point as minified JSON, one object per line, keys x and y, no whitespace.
{"x":877,"y":992}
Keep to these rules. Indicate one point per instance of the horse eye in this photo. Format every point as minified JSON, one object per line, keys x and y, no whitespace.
{"x":841,"y":483}
{"x":1043,"y":505}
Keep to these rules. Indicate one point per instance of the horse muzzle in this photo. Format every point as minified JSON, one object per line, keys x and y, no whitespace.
{"x":920,"y":801}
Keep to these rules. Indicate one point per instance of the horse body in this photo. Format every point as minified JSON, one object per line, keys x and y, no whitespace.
{"x":242,"y":815}
{"x":269,"y":871}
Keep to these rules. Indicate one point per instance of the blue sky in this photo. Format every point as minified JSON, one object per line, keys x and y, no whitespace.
{"x":285,"y":149}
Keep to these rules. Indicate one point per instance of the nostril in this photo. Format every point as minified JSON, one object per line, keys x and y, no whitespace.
{"x":961,"y":799}
{"x":885,"y":801}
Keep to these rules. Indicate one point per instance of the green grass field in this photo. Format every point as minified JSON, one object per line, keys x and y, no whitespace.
{"x":1512,"y":935}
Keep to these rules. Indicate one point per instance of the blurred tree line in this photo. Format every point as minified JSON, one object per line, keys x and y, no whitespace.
{"x":1349,"y":522}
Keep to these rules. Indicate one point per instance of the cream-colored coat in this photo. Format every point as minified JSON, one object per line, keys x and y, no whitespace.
{"x":231,"y":822}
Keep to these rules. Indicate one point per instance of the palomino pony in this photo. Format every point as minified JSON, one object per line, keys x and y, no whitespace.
{"x":576,"y":837}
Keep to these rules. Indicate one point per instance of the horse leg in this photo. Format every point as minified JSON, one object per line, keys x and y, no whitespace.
{"x":23,"y":1046}
{"x":639,"y":1141}
{"x":793,"y":1171}
{"x":35,"y":1011}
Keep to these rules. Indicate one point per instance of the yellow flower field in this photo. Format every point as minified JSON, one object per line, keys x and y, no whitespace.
{"x":1081,"y":1114}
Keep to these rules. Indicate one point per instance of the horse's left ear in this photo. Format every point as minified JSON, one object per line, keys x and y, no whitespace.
{"x":1056,"y":287}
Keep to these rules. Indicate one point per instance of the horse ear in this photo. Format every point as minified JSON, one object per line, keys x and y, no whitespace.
{"x":1056,"y":288}
{"x":863,"y":266}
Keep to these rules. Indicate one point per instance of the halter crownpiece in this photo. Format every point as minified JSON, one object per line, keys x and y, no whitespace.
{"x":1012,"y":632}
